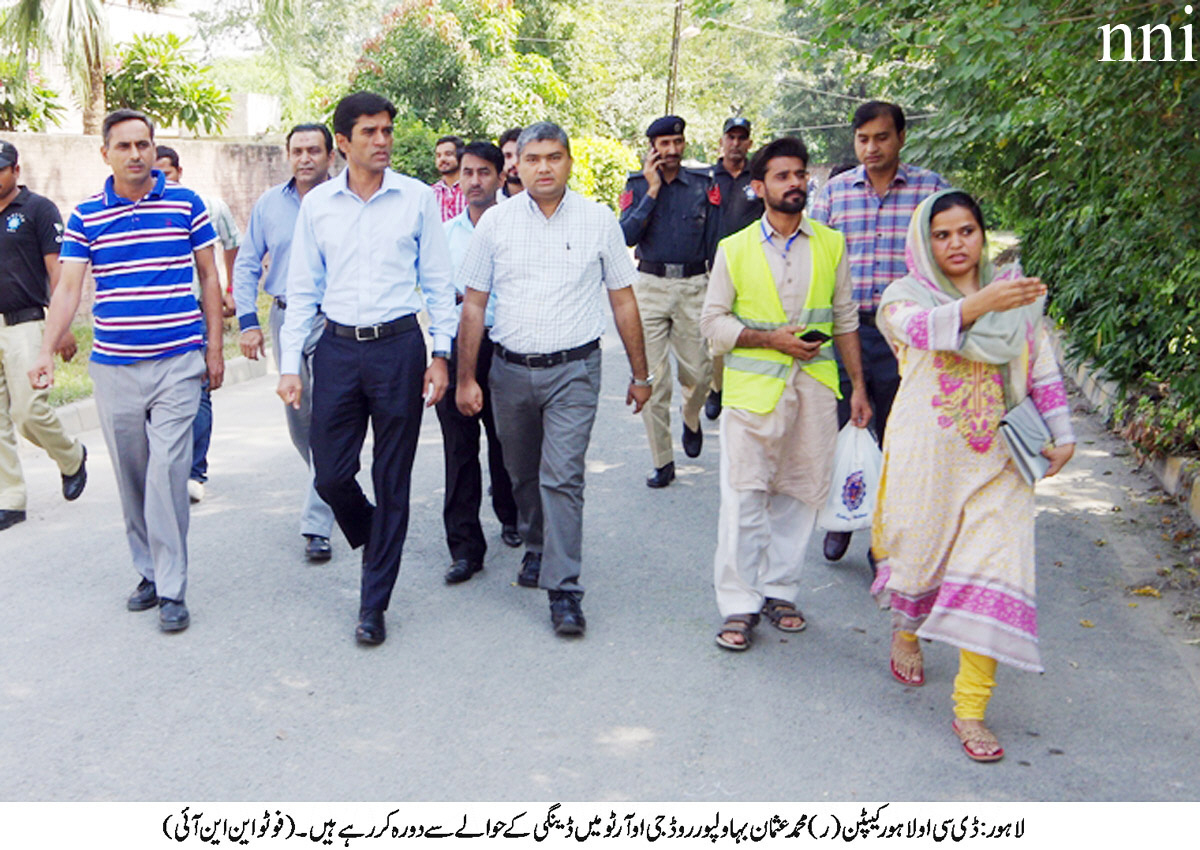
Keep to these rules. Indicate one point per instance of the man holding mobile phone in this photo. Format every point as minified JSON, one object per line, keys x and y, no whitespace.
{"x":672,"y":214}
{"x":780,"y":291}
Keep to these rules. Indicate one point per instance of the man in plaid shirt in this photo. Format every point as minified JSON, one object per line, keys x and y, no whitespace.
{"x":447,"y":155}
{"x":872,"y":205}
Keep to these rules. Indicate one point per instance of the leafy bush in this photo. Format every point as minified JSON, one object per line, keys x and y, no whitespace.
{"x":26,"y":104}
{"x":156,"y":74}
{"x":412,"y":153}
{"x":600,"y":168}
{"x":1096,"y":165}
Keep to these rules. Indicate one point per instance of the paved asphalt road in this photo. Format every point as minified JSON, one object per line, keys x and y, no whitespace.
{"x":267,"y":696}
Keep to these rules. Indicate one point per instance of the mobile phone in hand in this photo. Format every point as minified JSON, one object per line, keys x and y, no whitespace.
{"x":815,"y":336}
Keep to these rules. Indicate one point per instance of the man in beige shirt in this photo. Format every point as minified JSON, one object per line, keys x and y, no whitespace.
{"x":778,"y":434}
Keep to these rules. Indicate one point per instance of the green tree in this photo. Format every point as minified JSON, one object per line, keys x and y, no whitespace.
{"x":1096,"y":164}
{"x":27,"y":106}
{"x":156,"y":74}
{"x":78,"y":30}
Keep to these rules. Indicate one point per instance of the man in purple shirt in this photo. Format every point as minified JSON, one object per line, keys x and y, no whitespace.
{"x":872,"y":205}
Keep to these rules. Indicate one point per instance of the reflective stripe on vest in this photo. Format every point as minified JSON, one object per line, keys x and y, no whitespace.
{"x":755,"y":378}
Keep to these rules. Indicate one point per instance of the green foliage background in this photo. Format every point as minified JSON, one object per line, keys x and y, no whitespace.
{"x":158,"y":75}
{"x":1096,"y":165}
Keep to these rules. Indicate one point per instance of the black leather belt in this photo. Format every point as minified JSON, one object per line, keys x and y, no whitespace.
{"x":369,"y":333}
{"x":281,"y":303}
{"x":26,"y":314}
{"x":544,"y":361}
{"x":672,"y":269}
{"x":866,"y":317}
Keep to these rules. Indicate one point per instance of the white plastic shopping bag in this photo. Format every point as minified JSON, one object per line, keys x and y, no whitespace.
{"x":857,"y":464}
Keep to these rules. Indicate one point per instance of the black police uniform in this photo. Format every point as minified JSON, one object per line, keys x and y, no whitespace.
{"x":676,"y":236}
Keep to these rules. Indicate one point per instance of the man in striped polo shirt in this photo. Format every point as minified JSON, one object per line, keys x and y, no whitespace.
{"x":872,"y":205}
{"x":149,"y":355}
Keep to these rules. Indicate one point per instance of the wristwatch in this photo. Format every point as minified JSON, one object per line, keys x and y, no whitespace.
{"x":442,"y":353}
{"x":646,"y":382}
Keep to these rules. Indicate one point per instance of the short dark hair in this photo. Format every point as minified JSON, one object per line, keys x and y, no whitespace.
{"x":509,"y":135}
{"x":170,"y":154}
{"x":783,"y":146}
{"x":543,"y":131}
{"x":312,"y":128}
{"x":119,"y":116}
{"x":486,"y":151}
{"x":958,"y":198}
{"x":353,"y":106}
{"x":457,"y":141}
{"x":842,"y":168}
{"x":873,"y":109}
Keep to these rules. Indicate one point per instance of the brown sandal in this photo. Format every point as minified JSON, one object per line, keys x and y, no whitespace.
{"x":738,"y":624}
{"x":908,"y":668}
{"x":971,"y":738}
{"x":777,"y":610}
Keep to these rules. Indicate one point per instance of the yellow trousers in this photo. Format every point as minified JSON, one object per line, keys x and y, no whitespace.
{"x":973,"y":684}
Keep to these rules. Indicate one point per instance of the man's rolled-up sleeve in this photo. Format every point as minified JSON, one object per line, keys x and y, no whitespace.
{"x":717,"y":320}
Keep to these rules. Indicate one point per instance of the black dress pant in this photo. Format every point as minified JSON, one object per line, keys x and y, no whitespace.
{"x":881,"y":373}
{"x":353,"y":382}
{"x":464,"y":476}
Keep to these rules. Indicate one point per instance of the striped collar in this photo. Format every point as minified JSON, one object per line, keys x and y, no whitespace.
{"x":112,"y":199}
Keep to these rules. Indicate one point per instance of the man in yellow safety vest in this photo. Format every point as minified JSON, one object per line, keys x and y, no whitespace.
{"x":778,"y":301}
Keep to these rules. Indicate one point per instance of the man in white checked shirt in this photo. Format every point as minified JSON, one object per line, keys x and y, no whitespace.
{"x":548,"y":254}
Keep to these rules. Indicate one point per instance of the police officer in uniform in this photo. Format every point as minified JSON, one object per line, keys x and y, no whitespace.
{"x":672,"y":214}
{"x":740,"y":206}
{"x":30,"y":238}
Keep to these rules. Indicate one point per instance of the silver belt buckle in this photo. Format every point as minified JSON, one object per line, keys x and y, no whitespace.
{"x":359,"y":336}
{"x":673,"y":270}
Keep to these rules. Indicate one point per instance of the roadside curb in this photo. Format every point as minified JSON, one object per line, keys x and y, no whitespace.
{"x":1177,"y":475}
{"x":80,"y":416}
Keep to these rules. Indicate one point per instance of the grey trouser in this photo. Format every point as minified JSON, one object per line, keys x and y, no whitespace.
{"x":146,"y":411}
{"x":544,"y":418}
{"x":317,"y":518}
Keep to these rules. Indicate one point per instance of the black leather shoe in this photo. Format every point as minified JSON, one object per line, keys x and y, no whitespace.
{"x":693,"y":441}
{"x":370,"y":631}
{"x":74,"y":483}
{"x":531,"y":569}
{"x":662,"y":476}
{"x":9,"y":518}
{"x":836,"y":544}
{"x":566,"y":614}
{"x":317,"y":548}
{"x":461,"y":570}
{"x":143,"y":598}
{"x":712,"y":404}
{"x":511,"y":536}
{"x":172,"y":615}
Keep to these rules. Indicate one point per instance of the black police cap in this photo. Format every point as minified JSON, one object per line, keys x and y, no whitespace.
{"x":735,"y":122}
{"x":668,"y":125}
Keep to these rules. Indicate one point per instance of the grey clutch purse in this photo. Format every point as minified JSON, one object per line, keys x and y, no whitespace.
{"x":1025,"y":433}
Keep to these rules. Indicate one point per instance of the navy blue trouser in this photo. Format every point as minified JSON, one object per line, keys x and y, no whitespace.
{"x":201,"y":435}
{"x":464,"y":476}
{"x":882,"y":375}
{"x":353,"y":383}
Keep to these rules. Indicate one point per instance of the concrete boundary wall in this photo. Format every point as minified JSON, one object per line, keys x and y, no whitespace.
{"x":69,"y":168}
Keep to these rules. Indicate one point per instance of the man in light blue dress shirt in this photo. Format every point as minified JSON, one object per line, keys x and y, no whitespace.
{"x":480,"y":174}
{"x":269,"y":236}
{"x":370,"y":252}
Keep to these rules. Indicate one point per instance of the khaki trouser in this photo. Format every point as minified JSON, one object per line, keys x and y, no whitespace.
{"x":718,"y":371}
{"x":670,"y":310}
{"x":27,"y":411}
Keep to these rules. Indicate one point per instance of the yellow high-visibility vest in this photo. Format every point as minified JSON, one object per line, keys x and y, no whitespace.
{"x":755,"y":377}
